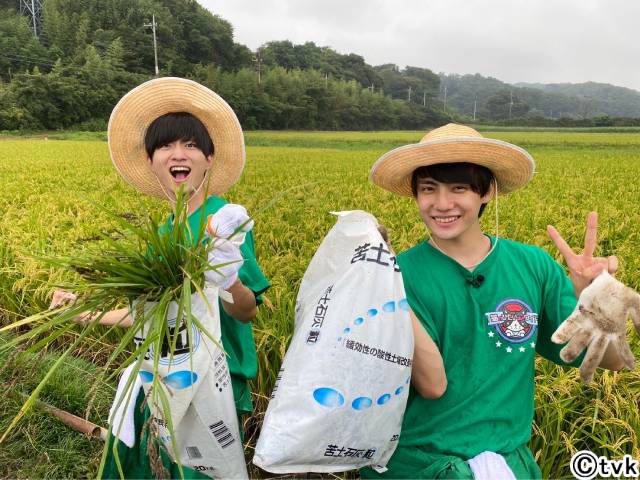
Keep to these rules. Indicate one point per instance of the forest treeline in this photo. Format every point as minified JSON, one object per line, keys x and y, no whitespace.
{"x":88,"y":53}
{"x":85,"y":54}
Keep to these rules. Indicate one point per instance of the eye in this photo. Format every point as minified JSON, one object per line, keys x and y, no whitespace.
{"x":460,"y":188}
{"x":426,"y":188}
{"x":191,"y":145}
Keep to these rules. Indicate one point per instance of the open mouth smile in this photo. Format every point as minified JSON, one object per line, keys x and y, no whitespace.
{"x":180,"y":173}
{"x":446,"y":220}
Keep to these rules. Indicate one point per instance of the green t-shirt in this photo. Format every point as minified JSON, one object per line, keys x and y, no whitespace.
{"x":237,"y":337}
{"x":488,"y":324}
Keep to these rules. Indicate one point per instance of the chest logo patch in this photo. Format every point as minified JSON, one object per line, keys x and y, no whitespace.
{"x":513,"y":320}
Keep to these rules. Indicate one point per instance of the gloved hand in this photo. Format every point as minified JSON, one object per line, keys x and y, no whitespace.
{"x":230,"y":222}
{"x":599,"y":318}
{"x":225,"y":260}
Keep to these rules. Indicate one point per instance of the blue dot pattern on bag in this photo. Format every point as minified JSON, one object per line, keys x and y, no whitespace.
{"x":328,"y":397}
{"x":332,"y":398}
{"x":388,"y":307}
{"x":181,"y":379}
{"x":361,"y":403}
{"x":176,"y":380}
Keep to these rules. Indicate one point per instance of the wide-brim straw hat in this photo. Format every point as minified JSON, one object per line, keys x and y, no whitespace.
{"x":135,"y":111}
{"x":511,"y":165}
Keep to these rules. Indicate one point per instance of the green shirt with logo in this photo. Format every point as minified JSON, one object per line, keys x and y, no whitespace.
{"x":488,"y":325}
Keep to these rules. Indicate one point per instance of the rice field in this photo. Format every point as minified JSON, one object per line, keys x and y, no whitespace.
{"x":54,"y":192}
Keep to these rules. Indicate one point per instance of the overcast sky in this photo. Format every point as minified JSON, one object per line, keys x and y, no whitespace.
{"x":547,"y":41}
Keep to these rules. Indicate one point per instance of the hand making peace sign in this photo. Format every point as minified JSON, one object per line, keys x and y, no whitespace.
{"x":585,"y":267}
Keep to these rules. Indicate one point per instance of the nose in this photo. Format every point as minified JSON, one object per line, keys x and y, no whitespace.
{"x":443,"y":200}
{"x":178,"y":152}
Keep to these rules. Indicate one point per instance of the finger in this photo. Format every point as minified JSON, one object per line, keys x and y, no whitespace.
{"x":592,"y":359}
{"x":563,"y":246}
{"x":625,"y":352}
{"x":612,"y":264}
{"x":591,"y":235}
{"x":576,"y":345}
{"x":568,"y":328}
{"x":589,"y":273}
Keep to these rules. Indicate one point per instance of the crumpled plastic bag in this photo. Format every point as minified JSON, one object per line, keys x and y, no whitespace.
{"x":201,"y":400}
{"x":341,"y":393}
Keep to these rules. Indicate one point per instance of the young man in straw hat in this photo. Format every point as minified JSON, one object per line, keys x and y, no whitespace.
{"x":172,"y":132}
{"x":484,"y":305}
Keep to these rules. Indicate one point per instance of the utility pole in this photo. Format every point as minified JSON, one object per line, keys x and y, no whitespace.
{"x":258,"y":61}
{"x":510,"y":103}
{"x":33,"y":9}
{"x":326,"y":81}
{"x":424,"y":99}
{"x":475,"y":106}
{"x":153,"y":26}
{"x":445,"y":98}
{"x":409,"y":94}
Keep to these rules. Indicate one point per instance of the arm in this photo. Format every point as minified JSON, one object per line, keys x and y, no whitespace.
{"x":428,"y":376}
{"x":119,"y":317}
{"x":244,"y":306}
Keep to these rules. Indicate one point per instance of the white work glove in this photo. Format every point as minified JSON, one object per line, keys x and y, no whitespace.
{"x":225,"y":260}
{"x":599,"y":318}
{"x":230,"y":222}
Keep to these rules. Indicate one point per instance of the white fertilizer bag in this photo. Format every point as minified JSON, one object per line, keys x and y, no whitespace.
{"x":201,"y":400}
{"x":340,"y":396}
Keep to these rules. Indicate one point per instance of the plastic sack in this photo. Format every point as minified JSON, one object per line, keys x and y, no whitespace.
{"x":203,"y":410}
{"x":341,"y":393}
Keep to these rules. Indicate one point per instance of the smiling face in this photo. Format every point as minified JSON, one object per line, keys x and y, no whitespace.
{"x":449,"y":210}
{"x":180,"y":152}
{"x":180,"y":162}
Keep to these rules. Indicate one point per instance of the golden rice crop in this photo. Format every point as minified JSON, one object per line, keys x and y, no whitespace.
{"x":51,"y":190}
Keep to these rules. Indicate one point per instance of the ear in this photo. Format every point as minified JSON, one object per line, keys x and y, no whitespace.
{"x":210,"y":160}
{"x":486,"y":198}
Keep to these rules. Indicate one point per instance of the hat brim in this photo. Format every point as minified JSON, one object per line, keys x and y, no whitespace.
{"x":135,"y":111}
{"x":511,"y":165}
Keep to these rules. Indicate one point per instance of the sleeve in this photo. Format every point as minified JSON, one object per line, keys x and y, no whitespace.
{"x":422,"y":313}
{"x":558,"y":301}
{"x":250,"y":273}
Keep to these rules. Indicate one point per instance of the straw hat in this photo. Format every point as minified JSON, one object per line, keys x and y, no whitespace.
{"x":137,"y":109}
{"x":511,"y":165}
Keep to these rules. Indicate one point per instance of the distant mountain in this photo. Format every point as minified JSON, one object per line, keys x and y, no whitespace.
{"x":599,"y":98}
{"x":497,"y":100}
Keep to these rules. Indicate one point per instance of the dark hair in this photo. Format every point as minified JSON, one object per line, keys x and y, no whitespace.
{"x":177,"y":126}
{"x":478,"y":178}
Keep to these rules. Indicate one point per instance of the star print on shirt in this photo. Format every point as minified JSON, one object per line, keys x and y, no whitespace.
{"x":509,"y":349}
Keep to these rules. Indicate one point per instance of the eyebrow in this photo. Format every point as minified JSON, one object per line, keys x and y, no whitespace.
{"x":429,"y":181}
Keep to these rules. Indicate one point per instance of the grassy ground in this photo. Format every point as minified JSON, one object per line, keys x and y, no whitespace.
{"x":52,"y":190}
